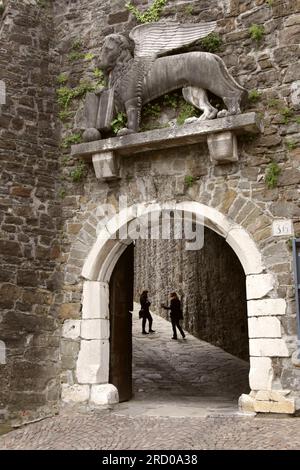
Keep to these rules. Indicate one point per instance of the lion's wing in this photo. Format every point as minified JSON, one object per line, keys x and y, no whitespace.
{"x":154,"y":39}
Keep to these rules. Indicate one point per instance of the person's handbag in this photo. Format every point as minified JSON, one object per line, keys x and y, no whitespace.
{"x":141,"y":313}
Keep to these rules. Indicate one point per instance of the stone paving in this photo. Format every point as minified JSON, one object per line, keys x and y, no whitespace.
{"x":185,"y":398}
{"x":184,"y":377}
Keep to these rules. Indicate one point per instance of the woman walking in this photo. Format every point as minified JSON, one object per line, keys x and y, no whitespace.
{"x":175,"y":314}
{"x":145,"y":313}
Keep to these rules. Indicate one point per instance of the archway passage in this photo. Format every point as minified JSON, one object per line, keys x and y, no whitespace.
{"x":92,"y":366}
{"x":212,"y":284}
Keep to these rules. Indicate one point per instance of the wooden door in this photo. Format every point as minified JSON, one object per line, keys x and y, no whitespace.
{"x":121,"y":303}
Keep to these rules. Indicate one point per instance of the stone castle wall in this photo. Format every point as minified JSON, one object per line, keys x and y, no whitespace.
{"x":237,"y":190}
{"x":28,"y":134}
{"x":29,"y":215}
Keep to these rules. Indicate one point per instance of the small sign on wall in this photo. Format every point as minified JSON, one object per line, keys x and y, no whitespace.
{"x":282,"y":227}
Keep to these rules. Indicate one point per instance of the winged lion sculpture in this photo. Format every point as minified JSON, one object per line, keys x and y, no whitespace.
{"x":150,"y":73}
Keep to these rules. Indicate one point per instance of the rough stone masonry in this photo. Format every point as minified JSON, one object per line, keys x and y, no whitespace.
{"x":48,"y":203}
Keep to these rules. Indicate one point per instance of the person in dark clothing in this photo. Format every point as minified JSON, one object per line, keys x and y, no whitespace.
{"x":175,"y":314}
{"x":145,"y":313}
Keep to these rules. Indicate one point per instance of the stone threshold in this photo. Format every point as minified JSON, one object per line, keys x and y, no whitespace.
{"x":157,"y":139}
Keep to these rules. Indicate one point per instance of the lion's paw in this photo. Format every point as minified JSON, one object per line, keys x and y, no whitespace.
{"x":190,"y":120}
{"x":125,"y":131}
{"x":223,"y":113}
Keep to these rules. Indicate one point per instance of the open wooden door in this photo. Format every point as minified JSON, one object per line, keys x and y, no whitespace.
{"x":120,"y":305}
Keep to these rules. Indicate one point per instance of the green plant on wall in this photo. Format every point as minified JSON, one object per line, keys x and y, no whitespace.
{"x":291,"y":144}
{"x":62,"y":78}
{"x":75,"y":55}
{"x":189,"y":181}
{"x":89,"y":56}
{"x":171,"y":100}
{"x":151,"y":14}
{"x":79,"y":172}
{"x":273,"y":103}
{"x":257,"y":32}
{"x":211,"y":43}
{"x":100,"y":78}
{"x":186,"y":110}
{"x":64,"y":115}
{"x":152,"y":110}
{"x":66,"y":95}
{"x":71,"y":140}
{"x":272,"y":175}
{"x":254,"y":95}
{"x":119,"y":122}
{"x":189,"y":9}
{"x":287,"y":114}
{"x":62,"y":193}
{"x":270,"y":2}
{"x":77,"y":45}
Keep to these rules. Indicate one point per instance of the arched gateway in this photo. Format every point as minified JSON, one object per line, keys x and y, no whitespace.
{"x":264,"y":311}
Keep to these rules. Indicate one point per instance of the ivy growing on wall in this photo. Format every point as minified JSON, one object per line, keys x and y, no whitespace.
{"x":211,"y":43}
{"x":118,"y":123}
{"x":257,"y":32}
{"x":66,"y":95}
{"x":272,"y":175}
{"x":151,"y":15}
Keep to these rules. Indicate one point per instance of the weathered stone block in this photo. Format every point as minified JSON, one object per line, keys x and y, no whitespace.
{"x":93,"y":362}
{"x":106,"y":394}
{"x":119,"y":17}
{"x":69,"y":348}
{"x":70,"y":311}
{"x":261,"y":373}
{"x":295,"y":94}
{"x":95,"y":300}
{"x":259,"y":285}
{"x":105,"y":165}
{"x":285,"y":209}
{"x":268,"y":347}
{"x":264,"y":327}
{"x":95,"y":329}
{"x":222,"y":147}
{"x":246,"y":404}
{"x":75,"y":393}
{"x":71,"y":329}
{"x":274,"y":404}
{"x":271,"y":307}
{"x":11,"y":248}
{"x":27,"y":278}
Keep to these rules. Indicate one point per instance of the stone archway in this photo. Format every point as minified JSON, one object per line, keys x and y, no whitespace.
{"x":264,"y":311}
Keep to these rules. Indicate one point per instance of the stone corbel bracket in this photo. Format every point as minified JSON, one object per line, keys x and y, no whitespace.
{"x":220,"y":135}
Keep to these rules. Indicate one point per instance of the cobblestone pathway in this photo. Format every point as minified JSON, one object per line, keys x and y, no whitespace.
{"x":185,"y":398}
{"x":184,"y":377}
